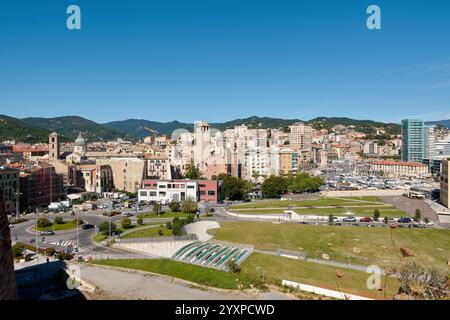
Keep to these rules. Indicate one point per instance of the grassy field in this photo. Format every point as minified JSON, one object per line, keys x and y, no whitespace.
{"x":150,"y":232}
{"x":359,"y":245}
{"x":360,"y":211}
{"x":259,"y":268}
{"x":163,"y":215}
{"x":361,"y":206}
{"x":203,"y":276}
{"x":275,"y":269}
{"x":59,"y":227}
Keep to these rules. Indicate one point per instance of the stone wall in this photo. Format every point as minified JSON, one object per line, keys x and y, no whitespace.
{"x":7,"y":276}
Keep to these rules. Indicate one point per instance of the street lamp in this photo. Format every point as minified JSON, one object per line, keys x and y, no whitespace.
{"x":17,"y":203}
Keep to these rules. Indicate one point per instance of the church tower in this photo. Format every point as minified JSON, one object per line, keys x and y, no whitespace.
{"x":53,"y":147}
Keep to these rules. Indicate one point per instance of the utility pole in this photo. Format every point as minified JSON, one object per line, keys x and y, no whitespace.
{"x":36,"y":229}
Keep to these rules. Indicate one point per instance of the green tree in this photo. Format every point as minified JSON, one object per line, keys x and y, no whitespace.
{"x":169,"y":225}
{"x":330,"y":219}
{"x":417,"y":215}
{"x":189,"y":206}
{"x":43,"y":223}
{"x":104,"y":227}
{"x":17,"y":249}
{"x":157,"y":208}
{"x":140,"y":221}
{"x":125,"y":223}
{"x":174,"y":206}
{"x":303,"y":182}
{"x":193,"y":172}
{"x":386,"y":220}
{"x":234,"y":188}
{"x":376,"y":214}
{"x":59,"y":220}
{"x":273,"y":187}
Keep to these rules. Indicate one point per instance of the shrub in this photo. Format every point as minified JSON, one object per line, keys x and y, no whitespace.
{"x":174,"y":206}
{"x":125,"y":223}
{"x":78,"y":221}
{"x":376,"y":214}
{"x":157,"y":208}
{"x":43,"y":223}
{"x":140,"y":221}
{"x":169,"y":225}
{"x":104,"y":227}
{"x":18,"y":249}
{"x":160,"y":232}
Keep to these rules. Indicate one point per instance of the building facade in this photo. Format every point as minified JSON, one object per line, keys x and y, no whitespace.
{"x":445,"y":192}
{"x":39,"y":186}
{"x":165,"y":191}
{"x":398,"y":169}
{"x":9,"y":187}
{"x":300,"y":136}
{"x":54,"y":147}
{"x":413,"y":144}
{"x":7,"y":275}
{"x":158,"y":168}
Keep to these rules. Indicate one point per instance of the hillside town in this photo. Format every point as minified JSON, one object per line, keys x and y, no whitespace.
{"x":34,"y":177}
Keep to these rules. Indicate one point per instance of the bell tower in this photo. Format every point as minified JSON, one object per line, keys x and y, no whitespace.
{"x":53,"y":147}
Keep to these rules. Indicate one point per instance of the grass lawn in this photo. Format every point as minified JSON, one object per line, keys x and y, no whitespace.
{"x":275,"y":269}
{"x":361,"y":211}
{"x":163,"y":215}
{"x":203,"y":276}
{"x":385,"y":211}
{"x":358,"y":245}
{"x":151,"y":232}
{"x":99,"y":237}
{"x":59,"y":227}
{"x":306,"y":203}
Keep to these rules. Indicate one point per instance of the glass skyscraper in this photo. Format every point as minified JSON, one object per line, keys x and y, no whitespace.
{"x":413,"y":140}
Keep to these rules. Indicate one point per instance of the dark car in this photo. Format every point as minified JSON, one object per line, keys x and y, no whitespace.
{"x":365,"y":219}
{"x":87,"y":226}
{"x":212,"y":210}
{"x":47,"y":233}
{"x":404,"y":220}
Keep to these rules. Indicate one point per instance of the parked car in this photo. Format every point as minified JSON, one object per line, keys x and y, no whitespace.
{"x":87,"y":226}
{"x":365,"y":219}
{"x":349,"y":219}
{"x":127,"y":214}
{"x":11,"y":226}
{"x":404,"y":220}
{"x":47,"y":233}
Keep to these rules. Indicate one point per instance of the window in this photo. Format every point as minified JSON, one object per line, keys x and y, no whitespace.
{"x":202,"y":193}
{"x":191,"y":187}
{"x":143,"y":193}
{"x":211,"y":193}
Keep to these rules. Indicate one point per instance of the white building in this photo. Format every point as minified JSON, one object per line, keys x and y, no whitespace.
{"x":166,"y":191}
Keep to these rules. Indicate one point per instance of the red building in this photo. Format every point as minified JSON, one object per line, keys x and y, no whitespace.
{"x":39,"y":186}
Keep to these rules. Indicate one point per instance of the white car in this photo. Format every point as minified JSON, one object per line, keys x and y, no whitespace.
{"x":11,"y":226}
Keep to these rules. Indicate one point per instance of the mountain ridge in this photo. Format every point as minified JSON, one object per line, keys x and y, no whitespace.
{"x":36,"y":129}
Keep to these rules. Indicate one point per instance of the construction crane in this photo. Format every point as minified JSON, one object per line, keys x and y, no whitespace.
{"x":154,"y":133}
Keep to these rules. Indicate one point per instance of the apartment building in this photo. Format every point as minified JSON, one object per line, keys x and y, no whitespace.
{"x":158,"y":168}
{"x":398,"y":169}
{"x":445,"y":191}
{"x":127,"y":170}
{"x":95,"y":178}
{"x":300,"y":136}
{"x":39,"y":186}
{"x":9,"y":187}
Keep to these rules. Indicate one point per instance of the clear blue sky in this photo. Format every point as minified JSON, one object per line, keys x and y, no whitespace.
{"x":222,"y":59}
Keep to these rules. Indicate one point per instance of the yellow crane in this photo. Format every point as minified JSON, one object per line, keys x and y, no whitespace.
{"x":154,"y":133}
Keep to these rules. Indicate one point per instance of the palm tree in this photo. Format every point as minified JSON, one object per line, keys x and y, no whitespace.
{"x":189,"y":206}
